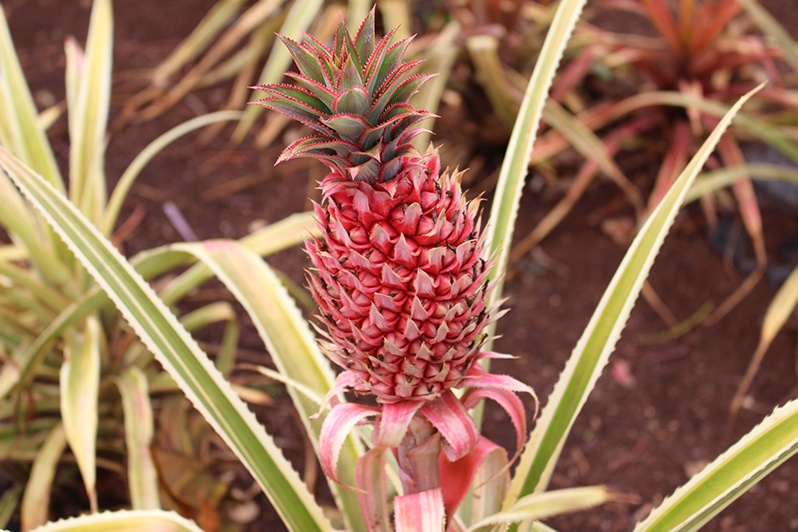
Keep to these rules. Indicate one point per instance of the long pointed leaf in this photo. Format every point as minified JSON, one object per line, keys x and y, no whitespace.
{"x":510,"y":186}
{"x":36,"y":500}
{"x":290,"y":341}
{"x":124,"y":521}
{"x":543,"y":505}
{"x":139,"y":429}
{"x":744,"y":464}
{"x":80,"y":387}
{"x":598,"y":340}
{"x":20,"y":131}
{"x":299,"y":17}
{"x":89,"y":90}
{"x":507,"y":199}
{"x":176,"y":351}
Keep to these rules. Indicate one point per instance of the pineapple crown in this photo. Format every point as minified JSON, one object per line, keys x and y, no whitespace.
{"x":355,"y":99}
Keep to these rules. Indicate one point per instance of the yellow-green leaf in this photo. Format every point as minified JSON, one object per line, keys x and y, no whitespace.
{"x":80,"y":385}
{"x":124,"y":521}
{"x":744,"y":464}
{"x":139,"y":428}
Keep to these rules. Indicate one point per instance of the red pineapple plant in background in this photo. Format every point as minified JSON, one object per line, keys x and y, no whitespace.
{"x":703,"y":56}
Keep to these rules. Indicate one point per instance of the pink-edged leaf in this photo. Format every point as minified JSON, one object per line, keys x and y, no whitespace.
{"x":295,"y":112}
{"x":457,"y":476}
{"x":372,"y":485}
{"x":743,"y":189}
{"x":385,"y":60}
{"x":322,"y":93}
{"x":305,"y":58}
{"x":672,"y":164}
{"x":492,"y":355}
{"x":397,"y":89}
{"x":354,"y":101}
{"x":313,"y":145}
{"x":511,"y":404}
{"x":317,"y":47}
{"x":294,"y":95}
{"x":451,"y":418}
{"x":364,"y":38}
{"x":479,"y":378}
{"x":662,"y":19}
{"x":392,"y":426}
{"x":420,"y":512}
{"x":337,"y":426}
{"x":345,"y":381}
{"x":349,"y":126}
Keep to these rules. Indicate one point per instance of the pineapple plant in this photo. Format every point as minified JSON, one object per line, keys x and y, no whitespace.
{"x":399,"y":273}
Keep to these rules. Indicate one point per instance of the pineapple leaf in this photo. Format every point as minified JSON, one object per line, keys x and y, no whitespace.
{"x":420,"y":511}
{"x":373,"y":481}
{"x":392,"y":93}
{"x":321,"y":92}
{"x":364,"y":39}
{"x":755,"y":455}
{"x":593,"y":350}
{"x":312,"y":147}
{"x":177,"y":352}
{"x":336,"y":429}
{"x":308,"y":63}
{"x":324,"y":53}
{"x":376,"y":60}
{"x":392,"y":61}
{"x":352,"y":55}
{"x":354,"y":101}
{"x":350,"y":77}
{"x":296,"y":111}
{"x":298,"y":95}
{"x":350,"y":127}
{"x":162,"y":520}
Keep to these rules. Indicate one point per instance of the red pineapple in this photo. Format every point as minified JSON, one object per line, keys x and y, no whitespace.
{"x":398,"y":274}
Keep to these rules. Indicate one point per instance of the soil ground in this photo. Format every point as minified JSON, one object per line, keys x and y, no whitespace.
{"x":658,"y":414}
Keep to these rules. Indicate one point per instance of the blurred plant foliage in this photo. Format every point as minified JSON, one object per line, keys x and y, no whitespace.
{"x":661,"y":89}
{"x":80,"y":395}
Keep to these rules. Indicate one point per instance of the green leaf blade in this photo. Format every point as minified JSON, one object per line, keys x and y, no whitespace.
{"x":89,"y":97}
{"x":744,"y":464}
{"x":598,"y":340}
{"x":80,"y":388}
{"x":290,"y":342}
{"x":176,"y":350}
{"x":139,"y":430}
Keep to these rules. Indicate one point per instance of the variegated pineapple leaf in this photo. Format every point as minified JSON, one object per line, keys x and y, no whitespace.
{"x":504,"y":212}
{"x":290,"y":341}
{"x":176,"y":351}
{"x":543,"y":505}
{"x":123,"y":521}
{"x":139,"y":429}
{"x":88,"y":97}
{"x":80,"y":388}
{"x":20,"y":131}
{"x":36,"y":499}
{"x":598,"y":340}
{"x":744,"y":464}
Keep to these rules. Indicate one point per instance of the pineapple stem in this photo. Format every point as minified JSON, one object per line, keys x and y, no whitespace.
{"x":418,"y":457}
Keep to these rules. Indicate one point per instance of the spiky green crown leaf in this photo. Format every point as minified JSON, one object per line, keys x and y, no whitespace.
{"x":355,"y":99}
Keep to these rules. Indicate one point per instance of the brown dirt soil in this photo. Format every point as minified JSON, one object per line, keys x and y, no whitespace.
{"x":643,"y":435}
